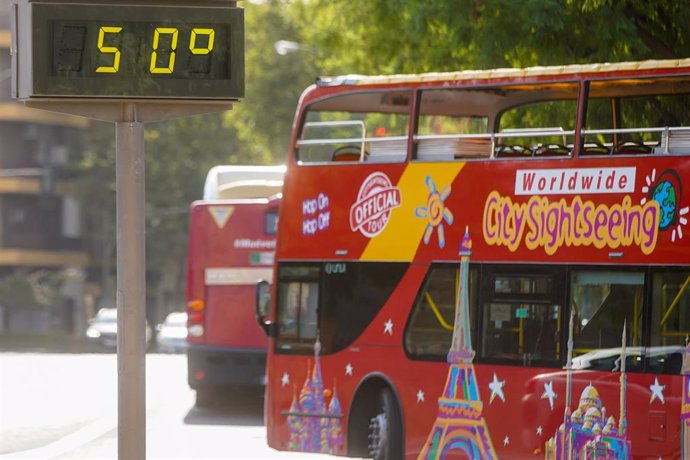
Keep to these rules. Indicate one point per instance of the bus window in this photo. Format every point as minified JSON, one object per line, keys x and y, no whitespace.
{"x":602,"y":301}
{"x":453,"y":124}
{"x":352,"y":295}
{"x":298,"y":294}
{"x":670,"y":322}
{"x":541,"y":129}
{"x":430,"y":330}
{"x":335,"y":301}
{"x":369,"y":126}
{"x":522,"y":316}
{"x":271,"y":222}
{"x":634,"y":117}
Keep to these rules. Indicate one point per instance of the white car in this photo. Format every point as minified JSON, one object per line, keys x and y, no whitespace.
{"x":659,"y":360}
{"x":102,"y":329}
{"x":172,"y":333}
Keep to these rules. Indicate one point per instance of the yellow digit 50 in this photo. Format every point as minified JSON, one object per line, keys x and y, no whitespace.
{"x":109,"y":49}
{"x":153,"y":68}
{"x":210,"y":33}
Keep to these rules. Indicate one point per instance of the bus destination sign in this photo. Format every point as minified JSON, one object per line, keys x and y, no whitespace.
{"x":172,"y":52}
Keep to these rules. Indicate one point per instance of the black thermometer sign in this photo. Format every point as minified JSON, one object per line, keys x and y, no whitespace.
{"x":130,"y":51}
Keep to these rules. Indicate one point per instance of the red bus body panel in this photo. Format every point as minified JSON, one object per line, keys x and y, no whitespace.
{"x":471,"y":201}
{"x":229,"y":252}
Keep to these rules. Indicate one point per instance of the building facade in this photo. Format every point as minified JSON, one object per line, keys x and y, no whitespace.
{"x":43,"y":260}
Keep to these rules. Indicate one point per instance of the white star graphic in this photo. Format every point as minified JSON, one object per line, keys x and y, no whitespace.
{"x":388,"y":327}
{"x":496,"y":387}
{"x":539,"y":430}
{"x":348,"y":369}
{"x":506,"y":441}
{"x":549,"y":393}
{"x":285,"y":380}
{"x":420,"y":396}
{"x":657,"y":391}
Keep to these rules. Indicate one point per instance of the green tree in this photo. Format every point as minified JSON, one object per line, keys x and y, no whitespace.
{"x":387,"y":36}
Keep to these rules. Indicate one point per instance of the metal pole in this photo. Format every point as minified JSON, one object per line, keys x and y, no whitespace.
{"x":131,"y":287}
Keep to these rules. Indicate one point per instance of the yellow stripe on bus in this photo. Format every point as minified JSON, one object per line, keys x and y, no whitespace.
{"x":403,"y":234}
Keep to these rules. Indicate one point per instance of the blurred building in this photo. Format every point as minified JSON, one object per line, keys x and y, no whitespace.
{"x":42,"y":256}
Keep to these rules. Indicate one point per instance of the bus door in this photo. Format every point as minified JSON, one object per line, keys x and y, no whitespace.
{"x":522,"y":314}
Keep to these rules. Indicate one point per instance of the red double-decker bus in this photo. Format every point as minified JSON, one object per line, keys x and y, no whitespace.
{"x":231,"y":247}
{"x":485,"y":264}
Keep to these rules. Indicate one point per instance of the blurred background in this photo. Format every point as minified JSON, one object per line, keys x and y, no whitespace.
{"x":57,"y":175}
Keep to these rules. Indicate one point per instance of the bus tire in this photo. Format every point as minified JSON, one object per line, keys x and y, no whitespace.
{"x":385,"y":428}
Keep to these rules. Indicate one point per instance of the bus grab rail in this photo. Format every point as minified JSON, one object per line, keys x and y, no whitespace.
{"x":675,"y":302}
{"x":344,"y":140}
{"x":437,"y":313}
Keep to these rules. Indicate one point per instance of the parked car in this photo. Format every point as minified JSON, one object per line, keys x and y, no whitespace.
{"x":102,"y":329}
{"x":172,"y":333}
{"x":658,"y":360}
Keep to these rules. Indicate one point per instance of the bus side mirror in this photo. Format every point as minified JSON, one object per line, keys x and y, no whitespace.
{"x":263,"y":305}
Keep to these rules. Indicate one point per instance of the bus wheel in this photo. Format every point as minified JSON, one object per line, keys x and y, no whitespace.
{"x":385,"y":429}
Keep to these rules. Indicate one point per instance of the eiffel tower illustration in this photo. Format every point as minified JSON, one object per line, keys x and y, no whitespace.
{"x":459,"y":424}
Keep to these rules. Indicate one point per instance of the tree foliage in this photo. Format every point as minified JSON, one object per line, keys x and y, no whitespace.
{"x":384,"y":36}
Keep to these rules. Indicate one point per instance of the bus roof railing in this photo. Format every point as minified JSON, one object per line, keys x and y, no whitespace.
{"x":673,"y":138}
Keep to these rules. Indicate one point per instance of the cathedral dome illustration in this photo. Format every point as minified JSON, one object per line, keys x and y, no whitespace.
{"x":577,"y":416}
{"x":610,"y":426}
{"x":314,"y":416}
{"x":590,"y":397}
{"x":592,"y":417}
{"x":589,"y":432}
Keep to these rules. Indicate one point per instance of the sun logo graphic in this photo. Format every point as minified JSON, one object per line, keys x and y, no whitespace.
{"x":435,"y":212}
{"x":666,"y":190}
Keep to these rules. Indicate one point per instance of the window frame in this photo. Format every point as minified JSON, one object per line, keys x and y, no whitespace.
{"x":488,"y":273}
{"x":473,"y":277}
{"x":307,"y":109}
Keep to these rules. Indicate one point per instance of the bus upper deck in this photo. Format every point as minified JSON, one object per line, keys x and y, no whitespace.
{"x":565,"y":111}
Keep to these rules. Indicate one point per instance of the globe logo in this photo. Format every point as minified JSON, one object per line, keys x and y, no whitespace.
{"x":666,"y":195}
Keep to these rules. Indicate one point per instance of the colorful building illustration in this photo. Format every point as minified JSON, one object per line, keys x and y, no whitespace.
{"x":314,"y":425}
{"x":586,"y":433}
{"x":459,"y":425}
